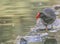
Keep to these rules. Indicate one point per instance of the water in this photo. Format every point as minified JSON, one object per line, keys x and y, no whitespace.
{"x":22,"y":17}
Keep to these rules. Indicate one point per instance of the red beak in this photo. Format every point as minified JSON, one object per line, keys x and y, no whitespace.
{"x":38,"y":15}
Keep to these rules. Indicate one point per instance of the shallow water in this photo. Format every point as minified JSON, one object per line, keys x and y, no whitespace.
{"x":18,"y":16}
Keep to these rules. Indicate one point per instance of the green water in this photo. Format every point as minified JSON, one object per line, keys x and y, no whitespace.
{"x":20,"y":17}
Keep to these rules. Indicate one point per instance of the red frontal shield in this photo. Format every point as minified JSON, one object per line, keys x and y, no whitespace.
{"x":38,"y":15}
